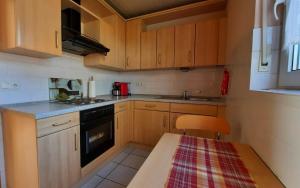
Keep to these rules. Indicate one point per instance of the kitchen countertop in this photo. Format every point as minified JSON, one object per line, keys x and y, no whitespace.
{"x":45,"y":109}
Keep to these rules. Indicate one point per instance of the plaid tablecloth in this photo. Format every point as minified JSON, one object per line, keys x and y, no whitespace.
{"x":200,"y":162}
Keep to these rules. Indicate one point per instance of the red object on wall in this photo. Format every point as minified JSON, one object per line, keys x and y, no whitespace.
{"x":225,"y":83}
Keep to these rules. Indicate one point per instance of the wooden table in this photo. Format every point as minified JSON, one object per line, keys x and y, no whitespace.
{"x":155,"y":170}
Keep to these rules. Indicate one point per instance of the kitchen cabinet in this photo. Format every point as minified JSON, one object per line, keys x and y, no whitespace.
{"x":165,"y":47}
{"x":133,"y":44}
{"x":59,"y":158}
{"x":31,"y":27}
{"x":149,"y":126}
{"x":124,"y":131}
{"x":112,"y":36}
{"x":184,"y":45}
{"x":148,"y":50}
{"x":222,"y":41}
{"x":41,"y":153}
{"x":207,"y":43}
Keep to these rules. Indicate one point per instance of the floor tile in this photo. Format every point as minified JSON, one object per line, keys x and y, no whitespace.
{"x":122,"y":175}
{"x":133,"y":161}
{"x":128,"y":149}
{"x":105,"y":170}
{"x":93,"y":182}
{"x":141,"y":152}
{"x":109,"y":184}
{"x":120,"y":157}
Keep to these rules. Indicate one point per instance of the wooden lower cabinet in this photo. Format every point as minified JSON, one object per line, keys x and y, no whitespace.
{"x":59,"y":159}
{"x":123,"y":129}
{"x":149,"y":126}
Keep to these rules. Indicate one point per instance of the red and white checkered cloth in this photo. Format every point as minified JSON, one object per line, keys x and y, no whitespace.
{"x":200,"y":162}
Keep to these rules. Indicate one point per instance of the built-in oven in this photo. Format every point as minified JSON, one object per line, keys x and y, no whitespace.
{"x":97,"y":132}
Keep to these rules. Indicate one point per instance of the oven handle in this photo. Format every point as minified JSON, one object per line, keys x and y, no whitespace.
{"x":103,"y":119}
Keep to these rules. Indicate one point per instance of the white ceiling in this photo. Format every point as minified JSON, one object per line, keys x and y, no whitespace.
{"x":133,"y":8}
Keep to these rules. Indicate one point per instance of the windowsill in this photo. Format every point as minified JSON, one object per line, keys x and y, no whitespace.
{"x":280,"y":91}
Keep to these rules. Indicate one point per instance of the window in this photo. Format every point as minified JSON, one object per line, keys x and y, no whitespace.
{"x":290,"y":49}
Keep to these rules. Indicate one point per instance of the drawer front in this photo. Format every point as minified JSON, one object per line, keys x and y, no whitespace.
{"x":158,"y":106}
{"x":209,"y":110}
{"x":54,"y":124}
{"x":119,"y":107}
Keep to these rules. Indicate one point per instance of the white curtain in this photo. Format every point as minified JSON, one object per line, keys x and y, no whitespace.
{"x":292,"y":24}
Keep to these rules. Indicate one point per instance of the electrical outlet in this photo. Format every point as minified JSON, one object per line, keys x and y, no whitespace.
{"x":9,"y":85}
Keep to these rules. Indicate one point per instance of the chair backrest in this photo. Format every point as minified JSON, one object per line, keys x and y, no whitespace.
{"x":217,"y":125}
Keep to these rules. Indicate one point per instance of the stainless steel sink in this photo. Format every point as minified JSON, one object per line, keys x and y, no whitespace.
{"x":189,"y":99}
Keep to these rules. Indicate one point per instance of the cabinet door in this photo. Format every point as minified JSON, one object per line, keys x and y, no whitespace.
{"x":120,"y":43}
{"x":148,"y":50}
{"x":59,"y":158}
{"x":149,"y":126}
{"x":207,"y":43}
{"x":133,"y":44}
{"x":184,"y":45}
{"x":222,"y":41}
{"x":108,"y":39}
{"x":38,"y":25}
{"x":165,"y":47}
{"x":123,"y":129}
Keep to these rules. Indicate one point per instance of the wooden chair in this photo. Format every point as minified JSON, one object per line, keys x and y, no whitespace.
{"x":217,"y":125}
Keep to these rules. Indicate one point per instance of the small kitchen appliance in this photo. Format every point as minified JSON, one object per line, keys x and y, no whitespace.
{"x":120,"y":89}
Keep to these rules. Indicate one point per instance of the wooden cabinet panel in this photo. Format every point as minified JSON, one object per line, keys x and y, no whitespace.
{"x":34,"y":27}
{"x":209,"y":110}
{"x":146,"y":105}
{"x":121,"y":106}
{"x":165,"y":47}
{"x":222,"y":41}
{"x":56,"y":123}
{"x":148,"y":49}
{"x":120,"y":43}
{"x":59,"y":159}
{"x":133,"y":44}
{"x":207,"y":43}
{"x":123,"y":130}
{"x":149,"y":126}
{"x":184,"y":45}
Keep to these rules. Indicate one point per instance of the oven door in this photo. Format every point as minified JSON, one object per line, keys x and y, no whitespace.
{"x":97,"y":136}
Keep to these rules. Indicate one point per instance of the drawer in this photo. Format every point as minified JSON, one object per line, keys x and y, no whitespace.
{"x":121,"y":106}
{"x":158,"y":106}
{"x":54,"y":124}
{"x":209,"y":110}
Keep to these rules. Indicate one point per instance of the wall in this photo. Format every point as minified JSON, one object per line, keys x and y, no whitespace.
{"x":32,"y":75}
{"x":267,"y":122}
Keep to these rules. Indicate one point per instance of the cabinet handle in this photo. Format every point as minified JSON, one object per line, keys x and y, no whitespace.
{"x":190,"y":56}
{"x":164,"y":121}
{"x":59,"y":124}
{"x":150,"y":106}
{"x":159,"y":59}
{"x":117,"y":123}
{"x":75,"y":138}
{"x":127,"y":61}
{"x":56,"y":39}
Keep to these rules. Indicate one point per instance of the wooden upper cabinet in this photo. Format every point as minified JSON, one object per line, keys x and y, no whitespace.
{"x":184,"y":45}
{"x":222,"y":41}
{"x":148,"y":49}
{"x":133,"y":44}
{"x":120,"y":43}
{"x":165,"y":47}
{"x":31,"y":27}
{"x":207,"y":43}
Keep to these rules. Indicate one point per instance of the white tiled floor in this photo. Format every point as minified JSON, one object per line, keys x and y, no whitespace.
{"x":118,"y":172}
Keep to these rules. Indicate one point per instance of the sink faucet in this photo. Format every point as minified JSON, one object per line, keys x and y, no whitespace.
{"x":186,"y":95}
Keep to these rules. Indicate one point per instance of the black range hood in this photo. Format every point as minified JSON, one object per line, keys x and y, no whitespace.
{"x":72,"y":39}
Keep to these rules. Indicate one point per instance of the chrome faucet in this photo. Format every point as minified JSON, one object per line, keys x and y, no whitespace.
{"x":186,"y":95}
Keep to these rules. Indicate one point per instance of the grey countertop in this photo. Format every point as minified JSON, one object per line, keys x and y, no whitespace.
{"x":45,"y":109}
